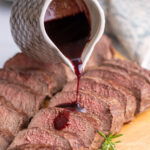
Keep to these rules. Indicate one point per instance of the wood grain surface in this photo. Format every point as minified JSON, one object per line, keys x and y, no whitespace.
{"x":136,"y":135}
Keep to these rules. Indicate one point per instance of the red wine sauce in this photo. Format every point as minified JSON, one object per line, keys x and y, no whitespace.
{"x":78,"y":71}
{"x":61,"y":121}
{"x":70,"y":35}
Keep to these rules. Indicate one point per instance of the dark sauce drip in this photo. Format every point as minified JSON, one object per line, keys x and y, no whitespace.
{"x":70,"y":35}
{"x":78,"y":71}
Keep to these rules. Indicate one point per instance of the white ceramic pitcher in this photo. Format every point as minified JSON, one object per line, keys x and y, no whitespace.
{"x":27,"y":26}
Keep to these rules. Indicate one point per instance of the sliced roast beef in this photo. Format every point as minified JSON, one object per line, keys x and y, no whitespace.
{"x":74,"y":123}
{"x":144,"y":88}
{"x":136,"y":83}
{"x":22,"y":62}
{"x":5,"y":139}
{"x":21,"y":98}
{"x":102,"y":51}
{"x":75,"y":142}
{"x":11,"y":119}
{"x":61,"y":72}
{"x":40,"y":136}
{"x":37,"y":80}
{"x":96,"y":124}
{"x":109,"y":111}
{"x":110,"y":74}
{"x":92,"y":119}
{"x":106,"y":88}
{"x":119,"y":77}
{"x":130,"y":100}
{"x":36,"y":147}
{"x":98,"y":89}
{"x":130,"y":67}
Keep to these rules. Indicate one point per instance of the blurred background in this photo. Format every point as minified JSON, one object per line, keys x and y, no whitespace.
{"x":7,"y":46}
{"x":127,"y":23}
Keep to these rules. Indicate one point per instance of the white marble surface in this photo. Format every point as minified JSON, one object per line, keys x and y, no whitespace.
{"x":7,"y":46}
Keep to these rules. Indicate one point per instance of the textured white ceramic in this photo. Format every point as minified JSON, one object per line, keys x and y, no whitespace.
{"x":27,"y":26}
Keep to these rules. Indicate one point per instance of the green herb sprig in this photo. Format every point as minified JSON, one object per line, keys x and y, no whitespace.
{"x":108,"y":143}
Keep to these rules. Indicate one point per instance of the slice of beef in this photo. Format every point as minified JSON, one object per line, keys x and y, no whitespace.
{"x":130,"y":67}
{"x":130,"y":100}
{"x":22,"y":62}
{"x":11,"y":119}
{"x":109,"y":111}
{"x":36,"y":147}
{"x":37,"y":80}
{"x":102,"y":51}
{"x":98,"y":89}
{"x":40,"y":136}
{"x":106,"y":89}
{"x":21,"y":98}
{"x":5,"y":139}
{"x":75,"y":142}
{"x":144,"y":88}
{"x":137,"y":82}
{"x":75,"y":124}
{"x":92,"y":119}
{"x":119,"y":77}
{"x":96,"y":124}
{"x":60,"y":71}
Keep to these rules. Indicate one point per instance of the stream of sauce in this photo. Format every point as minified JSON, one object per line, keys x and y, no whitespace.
{"x":70,"y":35}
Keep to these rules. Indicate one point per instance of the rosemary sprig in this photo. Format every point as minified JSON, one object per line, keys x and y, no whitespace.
{"x":108,"y":143}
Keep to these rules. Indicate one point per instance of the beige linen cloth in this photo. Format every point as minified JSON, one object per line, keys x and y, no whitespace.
{"x":128,"y":22}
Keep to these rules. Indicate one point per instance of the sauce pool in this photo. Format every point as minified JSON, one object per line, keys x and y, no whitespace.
{"x":61,"y":121}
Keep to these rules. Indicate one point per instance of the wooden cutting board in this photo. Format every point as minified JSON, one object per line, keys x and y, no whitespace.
{"x":136,"y":135}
